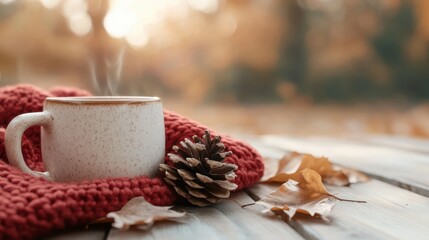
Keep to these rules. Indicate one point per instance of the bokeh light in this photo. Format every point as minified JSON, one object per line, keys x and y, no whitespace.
{"x":80,"y":23}
{"x":50,"y":3}
{"x":72,"y":7}
{"x":206,"y":6}
{"x":137,"y":37}
{"x":206,"y":51}
{"x":6,"y":1}
{"x":119,"y":22}
{"x":134,"y":20}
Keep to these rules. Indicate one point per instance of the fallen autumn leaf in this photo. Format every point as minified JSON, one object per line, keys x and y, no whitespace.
{"x":291,"y":164}
{"x":141,"y":214}
{"x":307,"y":196}
{"x":354,"y":176}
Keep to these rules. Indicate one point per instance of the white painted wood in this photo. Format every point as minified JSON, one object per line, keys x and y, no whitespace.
{"x":403,"y":168}
{"x":226,"y":220}
{"x":390,"y":212}
{"x":198,"y":227}
{"x":402,"y":142}
{"x":253,"y":224}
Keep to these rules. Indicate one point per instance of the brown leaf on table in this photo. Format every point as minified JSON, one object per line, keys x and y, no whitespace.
{"x":336,"y":178}
{"x":307,"y":196}
{"x":344,"y":176}
{"x":354,"y":176}
{"x":141,"y":214}
{"x":291,"y":164}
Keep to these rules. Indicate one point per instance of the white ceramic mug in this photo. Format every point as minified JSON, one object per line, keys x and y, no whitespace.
{"x":86,"y":138}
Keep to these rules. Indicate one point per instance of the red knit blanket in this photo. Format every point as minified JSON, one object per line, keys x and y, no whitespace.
{"x":31,"y":207}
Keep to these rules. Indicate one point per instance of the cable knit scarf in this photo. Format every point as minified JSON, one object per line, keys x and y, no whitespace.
{"x":32,"y":207}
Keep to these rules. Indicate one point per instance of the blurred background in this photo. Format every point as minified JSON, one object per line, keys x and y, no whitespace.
{"x":297,"y":67}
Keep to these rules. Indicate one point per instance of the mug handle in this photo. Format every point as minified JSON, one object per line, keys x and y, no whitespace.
{"x":13,"y":139}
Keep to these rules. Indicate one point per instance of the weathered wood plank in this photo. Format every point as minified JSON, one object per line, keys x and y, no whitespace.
{"x":252,"y":223}
{"x":390,"y":212}
{"x":94,"y":232}
{"x":226,"y":220}
{"x":403,"y":168}
{"x":402,"y":142}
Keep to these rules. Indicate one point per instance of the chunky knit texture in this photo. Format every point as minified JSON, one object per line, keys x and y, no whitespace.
{"x":31,"y":207}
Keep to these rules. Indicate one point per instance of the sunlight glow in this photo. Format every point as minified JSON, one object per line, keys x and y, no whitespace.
{"x":135,"y":21}
{"x":132,"y":19}
{"x":80,"y":24}
{"x":71,"y":7}
{"x":206,"y":6}
{"x":119,"y":22}
{"x":50,"y":3}
{"x":137,"y":38}
{"x":6,"y":1}
{"x":76,"y":14}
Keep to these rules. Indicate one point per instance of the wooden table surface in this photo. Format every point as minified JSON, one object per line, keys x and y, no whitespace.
{"x":397,"y":198}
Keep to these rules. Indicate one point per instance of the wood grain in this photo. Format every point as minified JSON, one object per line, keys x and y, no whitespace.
{"x":402,"y":168}
{"x":402,"y":142}
{"x":226,"y":220}
{"x":390,"y":212}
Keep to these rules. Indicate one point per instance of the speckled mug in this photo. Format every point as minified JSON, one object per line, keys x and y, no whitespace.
{"x":86,"y":138}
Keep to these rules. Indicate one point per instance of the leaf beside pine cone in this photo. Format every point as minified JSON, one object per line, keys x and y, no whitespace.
{"x":140,"y":214}
{"x":198,"y":172}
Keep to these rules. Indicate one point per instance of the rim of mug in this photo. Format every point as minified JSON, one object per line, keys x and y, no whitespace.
{"x":103,"y":99}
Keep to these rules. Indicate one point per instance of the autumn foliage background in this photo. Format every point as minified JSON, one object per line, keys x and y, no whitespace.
{"x":299,"y":67}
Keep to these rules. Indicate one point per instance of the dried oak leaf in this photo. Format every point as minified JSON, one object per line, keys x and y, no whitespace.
{"x":307,"y":196}
{"x":141,"y":214}
{"x":291,"y":164}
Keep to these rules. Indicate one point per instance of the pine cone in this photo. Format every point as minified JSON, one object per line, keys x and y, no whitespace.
{"x":199,"y":173}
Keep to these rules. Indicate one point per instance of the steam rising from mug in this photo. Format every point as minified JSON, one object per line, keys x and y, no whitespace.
{"x":106,"y":73}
